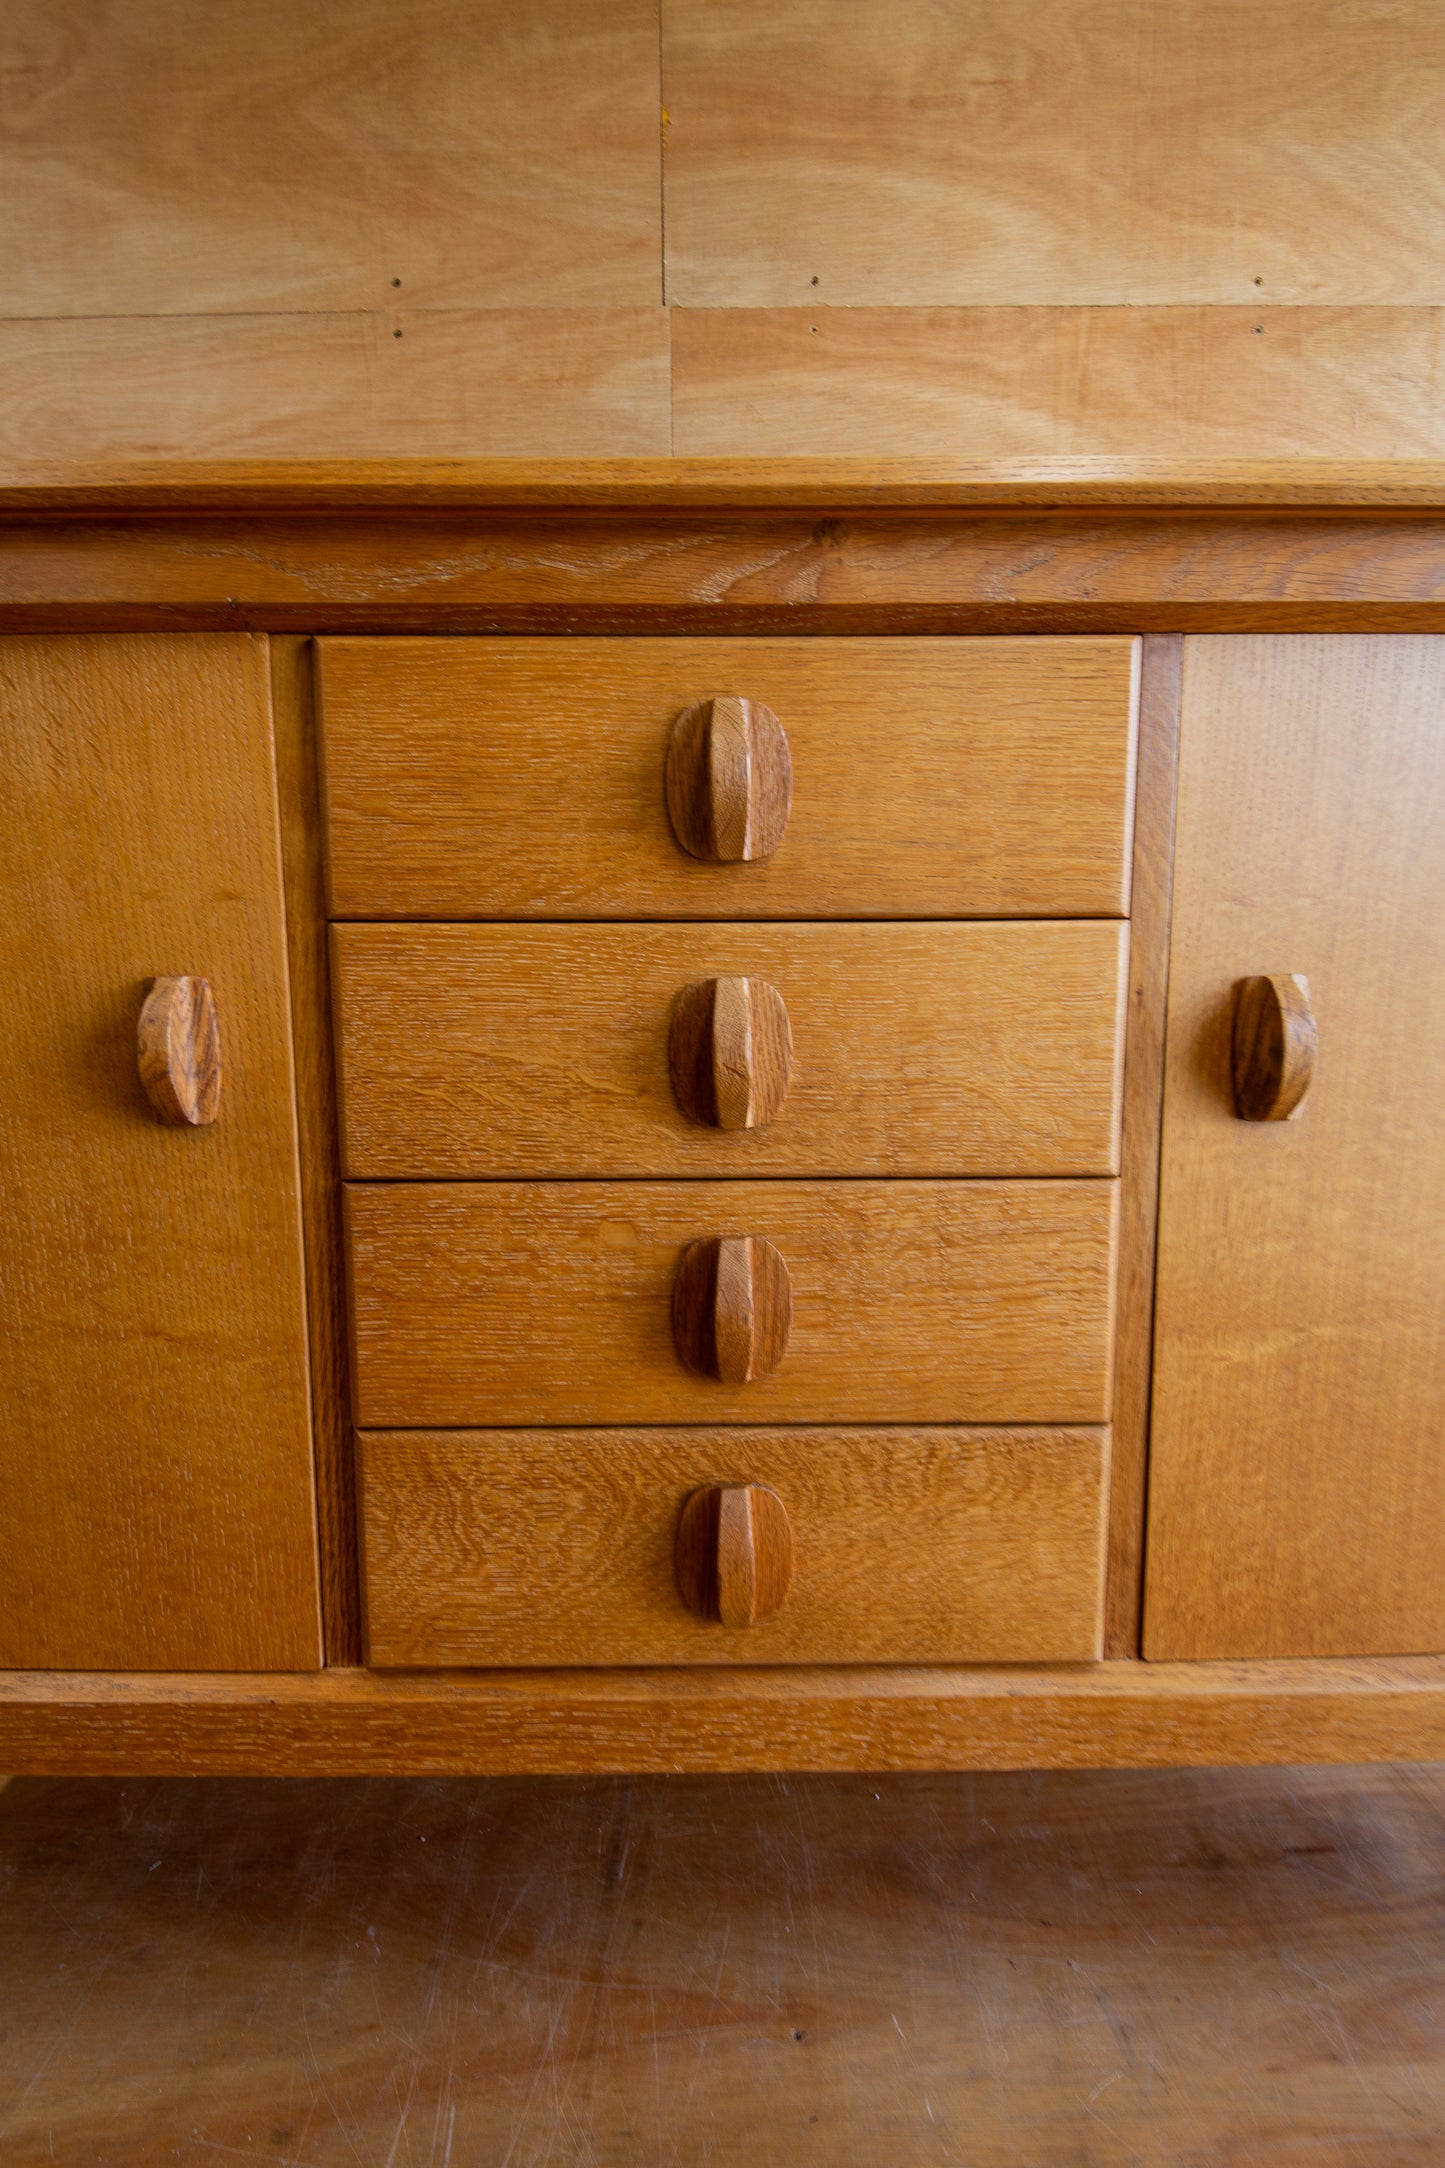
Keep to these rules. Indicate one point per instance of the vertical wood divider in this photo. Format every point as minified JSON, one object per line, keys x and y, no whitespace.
{"x":1153,"y":877}
{"x":302,"y":855}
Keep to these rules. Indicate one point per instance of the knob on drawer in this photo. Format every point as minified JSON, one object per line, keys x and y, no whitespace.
{"x":730,"y":1052}
{"x":729,"y":780}
{"x":732,"y":1308}
{"x":178,"y":1045}
{"x":734,"y":1553}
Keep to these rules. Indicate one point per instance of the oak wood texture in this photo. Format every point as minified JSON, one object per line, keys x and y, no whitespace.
{"x":1143,"y":1093}
{"x":1273,"y":1047}
{"x":732,"y":1308}
{"x":343,"y":1722}
{"x":1193,"y":1967}
{"x":524,"y":778}
{"x":67,"y":488}
{"x":1058,"y":382}
{"x":310,"y":155}
{"x":156,"y":1452}
{"x":1031,"y":151}
{"x":733,"y":1553}
{"x":504,"y":1302}
{"x":1297,"y":1489}
{"x":1112,"y":569}
{"x":302,"y":848}
{"x":730,"y":1052}
{"x":729,"y":780}
{"x":918,"y":1048}
{"x":908,"y":1545}
{"x":178,"y":1048}
{"x":356,"y":386}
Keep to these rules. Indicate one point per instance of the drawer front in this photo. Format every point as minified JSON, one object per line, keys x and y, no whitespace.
{"x":503,"y":1302}
{"x":907,"y":1546}
{"x":952,"y":778}
{"x":984,"y":1049}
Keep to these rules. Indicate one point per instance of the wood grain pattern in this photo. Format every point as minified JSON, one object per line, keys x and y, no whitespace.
{"x":1034,"y":151}
{"x":524,"y":779}
{"x":732,"y":1308}
{"x":985,"y":1048}
{"x":729,"y":1053}
{"x":1273,"y":1047}
{"x":329,"y":154}
{"x":1296,"y":1488}
{"x":924,"y":574}
{"x":343,"y":1722}
{"x":729,"y":780}
{"x":178,"y":1050}
{"x":65,"y":488}
{"x":1194,"y":1967}
{"x":298,"y":789}
{"x":1143,"y":1094}
{"x":156,"y":1454}
{"x":1069,"y":383}
{"x":908,"y":1546}
{"x":733,"y":1553}
{"x":505,"y":1302}
{"x":348,"y":386}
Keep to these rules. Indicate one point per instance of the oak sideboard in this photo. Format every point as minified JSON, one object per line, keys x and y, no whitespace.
{"x":671,"y":1115}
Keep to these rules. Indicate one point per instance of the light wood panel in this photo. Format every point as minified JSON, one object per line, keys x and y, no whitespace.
{"x":917,"y":1049}
{"x":1193,"y":1968}
{"x":1060,"y":382}
{"x":156,"y":1453}
{"x":171,"y":156}
{"x":402,"y":382}
{"x":1297,"y":1488}
{"x":349,"y":1723}
{"x":909,"y":1546}
{"x":524,"y":779}
{"x":503,"y":1302}
{"x":1040,"y":151}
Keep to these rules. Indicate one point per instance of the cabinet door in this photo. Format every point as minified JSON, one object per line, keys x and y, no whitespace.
{"x":1297,"y":1487}
{"x":155,"y":1455}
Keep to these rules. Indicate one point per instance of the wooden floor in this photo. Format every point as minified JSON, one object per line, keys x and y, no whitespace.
{"x":1040,"y":1971}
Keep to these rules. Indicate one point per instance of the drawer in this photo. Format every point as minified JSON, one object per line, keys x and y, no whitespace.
{"x":952,"y":778}
{"x":965,"y":1049}
{"x":905,"y":1546}
{"x":536,"y":1302}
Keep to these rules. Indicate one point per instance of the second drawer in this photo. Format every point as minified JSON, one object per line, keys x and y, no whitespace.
{"x":537,"y":1302}
{"x":969,"y":1049}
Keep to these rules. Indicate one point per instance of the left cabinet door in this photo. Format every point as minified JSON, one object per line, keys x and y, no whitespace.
{"x":155,"y":1438}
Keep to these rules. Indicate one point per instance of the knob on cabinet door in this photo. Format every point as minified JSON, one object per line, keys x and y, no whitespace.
{"x":730,"y":1052}
{"x":1274,"y":1047}
{"x":734,"y":1553}
{"x":179,"y":1050}
{"x":729,"y":780}
{"x":732,"y":1308}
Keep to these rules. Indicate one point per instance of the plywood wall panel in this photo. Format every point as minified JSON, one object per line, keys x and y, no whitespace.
{"x":1053,"y":151}
{"x":176,"y":155}
{"x":1056,"y":382}
{"x":525,"y":382}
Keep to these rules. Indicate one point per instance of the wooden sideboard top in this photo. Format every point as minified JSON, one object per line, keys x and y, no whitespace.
{"x":455,"y":485}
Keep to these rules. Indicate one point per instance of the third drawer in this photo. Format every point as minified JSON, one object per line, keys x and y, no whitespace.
{"x":912,"y":1301}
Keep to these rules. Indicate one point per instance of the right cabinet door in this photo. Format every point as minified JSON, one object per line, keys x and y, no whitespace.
{"x":1297,"y":1484}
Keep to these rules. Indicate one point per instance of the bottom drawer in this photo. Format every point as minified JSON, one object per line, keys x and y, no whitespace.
{"x":903,"y":1545}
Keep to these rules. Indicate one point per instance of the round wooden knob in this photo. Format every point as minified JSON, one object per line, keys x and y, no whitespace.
{"x":734,"y":1553}
{"x":730,"y":1052}
{"x":729,"y":780}
{"x":1274,"y":1047}
{"x":179,"y":1050}
{"x":732,"y":1308}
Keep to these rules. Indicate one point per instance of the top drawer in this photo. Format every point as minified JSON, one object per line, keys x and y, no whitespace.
{"x":952,"y":778}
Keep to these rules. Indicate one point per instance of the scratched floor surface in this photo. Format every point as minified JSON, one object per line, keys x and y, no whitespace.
{"x":1035,"y":1972}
